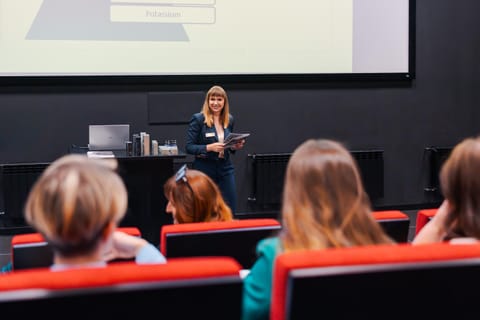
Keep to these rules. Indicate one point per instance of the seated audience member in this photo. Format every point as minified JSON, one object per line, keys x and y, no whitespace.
{"x":77,"y":204}
{"x":458,"y":217}
{"x":194,"y":197}
{"x":324,"y":206}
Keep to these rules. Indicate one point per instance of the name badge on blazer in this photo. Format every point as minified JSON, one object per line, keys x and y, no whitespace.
{"x":210,"y":134}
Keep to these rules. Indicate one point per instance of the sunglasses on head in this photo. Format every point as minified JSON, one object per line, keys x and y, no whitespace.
{"x":181,"y":175}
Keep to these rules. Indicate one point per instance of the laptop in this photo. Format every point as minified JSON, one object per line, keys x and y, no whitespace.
{"x":106,"y":137}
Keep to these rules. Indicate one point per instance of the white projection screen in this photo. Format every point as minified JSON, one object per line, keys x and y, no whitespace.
{"x":178,"y":39}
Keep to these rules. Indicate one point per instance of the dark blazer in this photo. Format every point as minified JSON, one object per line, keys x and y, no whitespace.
{"x":199,"y":135}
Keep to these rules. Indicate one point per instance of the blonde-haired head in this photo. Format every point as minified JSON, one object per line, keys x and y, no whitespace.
{"x":217,"y":91}
{"x":74,"y":200}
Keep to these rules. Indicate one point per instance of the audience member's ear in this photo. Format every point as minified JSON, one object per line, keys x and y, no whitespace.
{"x":109,"y":230}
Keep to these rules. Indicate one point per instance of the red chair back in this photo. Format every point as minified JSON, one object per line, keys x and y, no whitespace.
{"x":237,"y":239}
{"x":395,"y":223}
{"x":30,"y":250}
{"x":189,"y":288}
{"x":376,"y":281}
{"x":423,"y":216}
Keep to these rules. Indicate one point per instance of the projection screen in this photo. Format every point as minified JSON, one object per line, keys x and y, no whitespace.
{"x":275,"y":38}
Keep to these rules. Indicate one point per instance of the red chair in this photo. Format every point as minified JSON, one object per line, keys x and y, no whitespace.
{"x":395,"y":223}
{"x":190,"y":288}
{"x":30,"y":250}
{"x":377,"y":282}
{"x":237,"y":239}
{"x":423,"y":216}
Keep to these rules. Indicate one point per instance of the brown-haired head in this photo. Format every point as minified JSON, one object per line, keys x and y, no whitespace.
{"x":198,"y":199}
{"x":324,"y":202}
{"x":461,"y":187}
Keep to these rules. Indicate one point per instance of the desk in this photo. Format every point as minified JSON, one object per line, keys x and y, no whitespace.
{"x":143,"y":176}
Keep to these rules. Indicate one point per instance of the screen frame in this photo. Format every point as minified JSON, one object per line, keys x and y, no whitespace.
{"x":298,"y":78}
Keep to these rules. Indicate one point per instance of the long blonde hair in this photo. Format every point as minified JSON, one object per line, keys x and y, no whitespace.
{"x":224,"y":116}
{"x":324,"y":202}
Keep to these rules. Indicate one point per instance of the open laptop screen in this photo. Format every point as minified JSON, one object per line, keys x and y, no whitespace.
{"x":108,"y":136}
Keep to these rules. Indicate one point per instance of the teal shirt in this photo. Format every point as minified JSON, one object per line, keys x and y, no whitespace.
{"x":257,"y":285}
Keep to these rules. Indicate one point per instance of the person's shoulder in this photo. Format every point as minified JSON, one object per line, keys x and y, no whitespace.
{"x":198,"y":117}
{"x":269,"y":245}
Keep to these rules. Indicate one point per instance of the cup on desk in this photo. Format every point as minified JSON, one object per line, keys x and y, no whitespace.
{"x":169,"y":148}
{"x":129,"y":148}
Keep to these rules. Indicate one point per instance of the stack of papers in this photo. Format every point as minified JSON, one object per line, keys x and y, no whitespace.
{"x":233,"y":138}
{"x":100,"y":154}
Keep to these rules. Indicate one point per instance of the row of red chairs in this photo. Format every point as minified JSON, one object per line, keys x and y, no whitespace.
{"x":237,"y":239}
{"x":374,"y":282}
{"x":188,"y":288}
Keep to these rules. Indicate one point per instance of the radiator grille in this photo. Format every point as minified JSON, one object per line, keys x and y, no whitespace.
{"x":269,"y":173}
{"x":17,"y":180}
{"x":436,"y":156}
{"x":268,"y":176}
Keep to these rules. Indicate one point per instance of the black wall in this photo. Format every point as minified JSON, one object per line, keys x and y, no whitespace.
{"x":438,"y":108}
